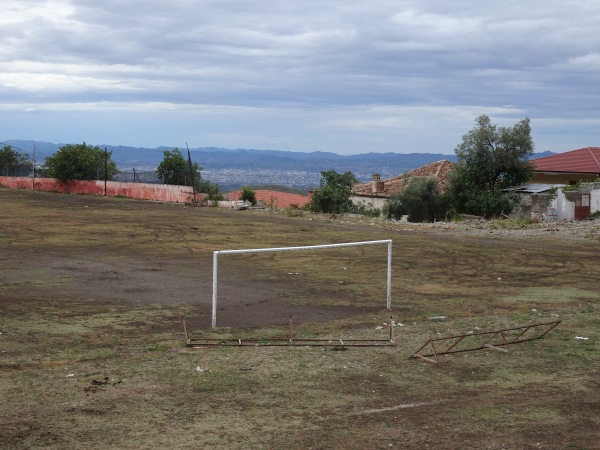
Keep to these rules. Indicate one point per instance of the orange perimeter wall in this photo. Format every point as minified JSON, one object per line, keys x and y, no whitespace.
{"x":143,"y":191}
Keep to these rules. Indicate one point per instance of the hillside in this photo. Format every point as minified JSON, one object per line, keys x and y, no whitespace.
{"x":240,"y":167}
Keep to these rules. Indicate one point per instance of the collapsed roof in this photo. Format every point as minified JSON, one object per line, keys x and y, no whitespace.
{"x":385,"y":188}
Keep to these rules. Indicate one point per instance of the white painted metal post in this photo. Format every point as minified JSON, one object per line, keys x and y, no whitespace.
{"x":214,"y":289}
{"x":389,"y":276}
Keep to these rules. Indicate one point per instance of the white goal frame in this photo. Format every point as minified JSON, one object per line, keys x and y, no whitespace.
{"x":291,"y":249}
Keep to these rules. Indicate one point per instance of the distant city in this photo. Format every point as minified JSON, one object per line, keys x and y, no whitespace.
{"x":231,"y":169}
{"x":234,"y":178}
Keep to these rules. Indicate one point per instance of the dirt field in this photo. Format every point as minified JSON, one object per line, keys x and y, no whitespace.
{"x":92,"y":291}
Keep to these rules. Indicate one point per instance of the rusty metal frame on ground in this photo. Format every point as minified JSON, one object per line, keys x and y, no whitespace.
{"x":498,"y":340}
{"x":198,"y":342}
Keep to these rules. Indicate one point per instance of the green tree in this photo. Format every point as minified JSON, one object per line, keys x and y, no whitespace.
{"x":333,"y":195}
{"x":12,"y":161}
{"x":420,"y":200}
{"x":213,"y":191}
{"x":81,"y":162}
{"x":175,"y":169}
{"x":490,"y":159}
{"x":248,"y":195}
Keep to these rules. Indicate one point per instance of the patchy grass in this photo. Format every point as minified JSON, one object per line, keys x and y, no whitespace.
{"x":78,"y":371}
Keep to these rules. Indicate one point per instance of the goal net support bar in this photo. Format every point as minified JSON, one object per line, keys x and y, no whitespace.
{"x":292,"y":249}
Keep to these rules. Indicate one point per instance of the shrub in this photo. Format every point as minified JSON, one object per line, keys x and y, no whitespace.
{"x":365,"y":209}
{"x":420,"y":200}
{"x":248,"y":195}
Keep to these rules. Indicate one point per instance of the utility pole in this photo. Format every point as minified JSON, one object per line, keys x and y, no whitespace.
{"x":191,"y":173}
{"x":105,"y":169}
{"x":33,"y":179}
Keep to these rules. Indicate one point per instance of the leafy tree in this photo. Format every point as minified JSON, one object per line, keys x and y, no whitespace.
{"x":81,"y":162}
{"x":11,"y":161}
{"x":175,"y":169}
{"x":420,"y":200}
{"x":206,"y":187}
{"x":249,"y":195}
{"x":333,"y":195}
{"x":490,"y":159}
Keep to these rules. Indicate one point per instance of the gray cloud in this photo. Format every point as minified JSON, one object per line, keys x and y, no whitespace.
{"x":325,"y":70}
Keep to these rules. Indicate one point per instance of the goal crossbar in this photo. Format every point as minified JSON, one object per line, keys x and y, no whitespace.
{"x":291,"y":249}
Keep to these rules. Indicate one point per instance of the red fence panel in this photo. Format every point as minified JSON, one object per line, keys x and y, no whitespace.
{"x":142,"y":191}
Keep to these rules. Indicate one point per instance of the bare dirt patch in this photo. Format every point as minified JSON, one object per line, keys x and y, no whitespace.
{"x":145,"y":253}
{"x":92,"y":355}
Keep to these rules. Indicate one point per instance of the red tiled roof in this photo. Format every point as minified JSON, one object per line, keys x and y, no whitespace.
{"x":584,"y":160}
{"x":276,"y":198}
{"x":438,"y":169}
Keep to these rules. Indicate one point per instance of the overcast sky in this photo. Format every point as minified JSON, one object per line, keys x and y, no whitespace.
{"x":347,"y":76}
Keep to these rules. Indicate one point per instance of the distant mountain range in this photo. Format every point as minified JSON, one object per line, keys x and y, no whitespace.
{"x":234,"y":168}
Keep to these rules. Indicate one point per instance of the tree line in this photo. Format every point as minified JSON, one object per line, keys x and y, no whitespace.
{"x":73,"y":162}
{"x":490,"y":159}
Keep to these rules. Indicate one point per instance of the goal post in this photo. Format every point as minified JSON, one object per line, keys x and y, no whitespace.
{"x":292,"y":249}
